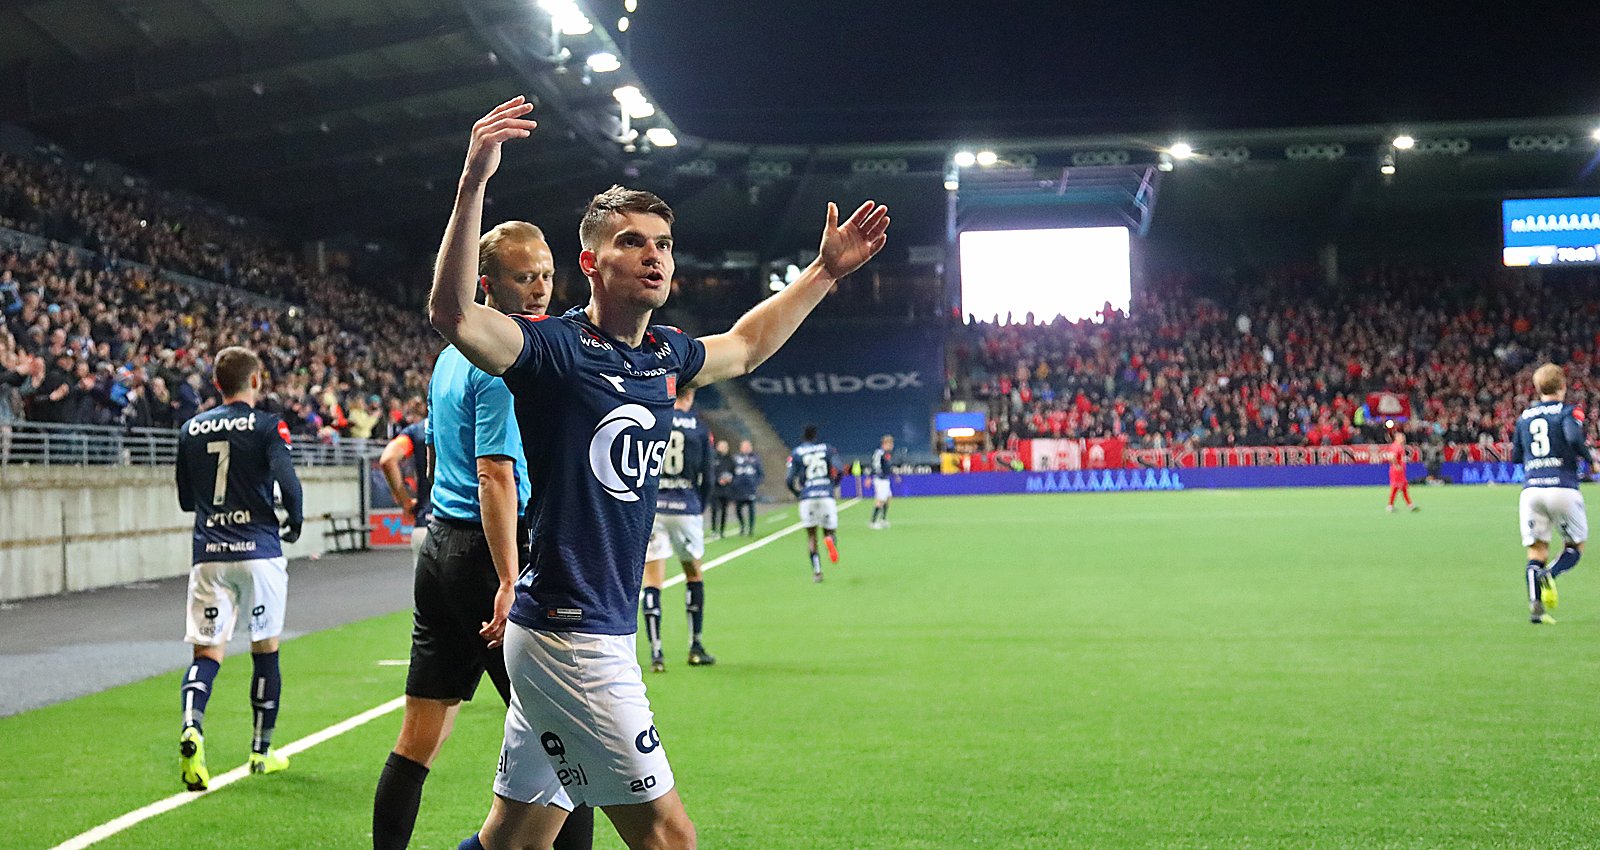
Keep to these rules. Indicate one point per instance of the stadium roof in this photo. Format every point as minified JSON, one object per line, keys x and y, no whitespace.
{"x":350,"y":116}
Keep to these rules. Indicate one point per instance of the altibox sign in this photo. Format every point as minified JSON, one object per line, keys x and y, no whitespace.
{"x":855,"y":386}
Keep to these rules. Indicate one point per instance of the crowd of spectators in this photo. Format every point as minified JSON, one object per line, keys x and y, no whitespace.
{"x":1287,"y":359}
{"x":94,"y":338}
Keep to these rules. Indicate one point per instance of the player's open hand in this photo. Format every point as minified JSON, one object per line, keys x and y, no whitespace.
{"x":847,"y":247}
{"x":503,"y":123}
{"x":494,"y":631}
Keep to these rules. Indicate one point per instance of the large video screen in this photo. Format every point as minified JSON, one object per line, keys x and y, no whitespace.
{"x":1071,"y":272}
{"x":1551,"y":231}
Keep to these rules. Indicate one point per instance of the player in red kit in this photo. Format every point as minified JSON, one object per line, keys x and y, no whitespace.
{"x":1397,"y":471}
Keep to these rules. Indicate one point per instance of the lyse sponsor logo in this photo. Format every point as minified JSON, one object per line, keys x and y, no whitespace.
{"x":832,"y":383}
{"x":227,"y":518}
{"x":620,"y":461}
{"x":197,"y":426}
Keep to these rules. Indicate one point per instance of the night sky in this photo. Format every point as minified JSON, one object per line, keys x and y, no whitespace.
{"x":828,"y":71}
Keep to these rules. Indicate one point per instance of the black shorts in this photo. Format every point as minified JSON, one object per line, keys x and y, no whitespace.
{"x":454,"y":595}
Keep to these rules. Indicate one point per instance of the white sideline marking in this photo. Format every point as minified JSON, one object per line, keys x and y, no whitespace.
{"x":746,"y":549}
{"x":137,"y":816}
{"x":395,"y":662}
{"x":110,"y":828}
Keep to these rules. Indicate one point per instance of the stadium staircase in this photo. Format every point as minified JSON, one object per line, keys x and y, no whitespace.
{"x":740,"y":419}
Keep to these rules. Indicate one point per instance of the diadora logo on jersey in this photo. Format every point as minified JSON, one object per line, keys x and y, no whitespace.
{"x":197,"y":427}
{"x":616,"y":382}
{"x":621,"y":461}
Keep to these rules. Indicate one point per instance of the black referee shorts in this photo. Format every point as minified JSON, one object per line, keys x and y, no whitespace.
{"x":454,"y":595}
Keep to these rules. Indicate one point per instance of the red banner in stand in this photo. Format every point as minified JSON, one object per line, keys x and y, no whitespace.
{"x":1388,"y":405}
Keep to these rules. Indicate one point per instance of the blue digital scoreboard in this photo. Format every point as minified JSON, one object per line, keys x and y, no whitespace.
{"x":1551,"y":231}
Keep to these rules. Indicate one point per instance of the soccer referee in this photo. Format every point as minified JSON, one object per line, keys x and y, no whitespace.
{"x":474,"y":547}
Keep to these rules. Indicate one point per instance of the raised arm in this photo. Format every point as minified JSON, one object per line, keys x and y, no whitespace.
{"x":762,"y":331}
{"x":489,"y":338}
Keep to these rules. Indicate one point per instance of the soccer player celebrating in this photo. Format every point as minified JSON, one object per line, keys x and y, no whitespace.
{"x":474,"y":547}
{"x":412,"y":442}
{"x":594,"y":392}
{"x":882,"y":470}
{"x":680,"y":529}
{"x":813,"y":470}
{"x":1549,"y":444}
{"x":1397,"y":471}
{"x":747,"y":477}
{"x":228,"y":459}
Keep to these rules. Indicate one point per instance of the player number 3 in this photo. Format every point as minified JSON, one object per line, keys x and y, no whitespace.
{"x":1540,"y":429}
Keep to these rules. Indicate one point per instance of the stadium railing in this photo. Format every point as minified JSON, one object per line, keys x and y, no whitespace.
{"x":48,"y":444}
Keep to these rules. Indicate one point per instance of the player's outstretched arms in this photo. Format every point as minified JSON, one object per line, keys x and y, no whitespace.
{"x":762,"y":331}
{"x":489,"y":338}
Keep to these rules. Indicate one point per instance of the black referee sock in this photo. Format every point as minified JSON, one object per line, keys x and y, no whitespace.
{"x":694,"y":602}
{"x":394,"y":807}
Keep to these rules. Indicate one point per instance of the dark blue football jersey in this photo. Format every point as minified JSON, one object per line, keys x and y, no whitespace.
{"x":228,"y":459}
{"x":747,"y":475}
{"x":685,"y":466}
{"x":596,"y":418}
{"x":1549,"y":443}
{"x":421,"y":437}
{"x":812,"y":469}
{"x":883,"y":463}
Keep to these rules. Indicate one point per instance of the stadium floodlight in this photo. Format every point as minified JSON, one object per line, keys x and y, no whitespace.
{"x":622,"y":24}
{"x":630,"y":6}
{"x":1181,"y":150}
{"x":566,"y":17}
{"x":776,"y":283}
{"x":603,"y":63}
{"x":962,"y":433}
{"x":1404,"y":143}
{"x":952,"y":185}
{"x":640,"y":109}
{"x":628,"y":94}
{"x":1164,"y":161}
{"x":987,"y":158}
{"x":661,"y":137}
{"x":965,"y":159}
{"x":1596,"y":134}
{"x":1386,"y":165}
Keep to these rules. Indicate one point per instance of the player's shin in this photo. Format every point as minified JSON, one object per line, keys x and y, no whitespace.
{"x":694,"y":603}
{"x":196,"y":691}
{"x":1568,"y":560}
{"x":652,"y":619}
{"x":265,"y":687}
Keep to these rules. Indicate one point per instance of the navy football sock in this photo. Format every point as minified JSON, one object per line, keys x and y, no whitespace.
{"x":876,"y":509}
{"x":652,"y":618}
{"x":395,"y":805}
{"x":816,"y":563}
{"x":265,"y":688}
{"x":1568,"y":560}
{"x":694,"y":603}
{"x":471,"y":843}
{"x":1534,"y":568}
{"x":196,"y":691}
{"x":884,"y":511}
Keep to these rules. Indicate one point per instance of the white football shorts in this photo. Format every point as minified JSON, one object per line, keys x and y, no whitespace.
{"x":683,"y":535}
{"x":219,"y":590}
{"x":1544,"y":508}
{"x":579,"y":730}
{"x":880,"y":490}
{"x":822,"y":511}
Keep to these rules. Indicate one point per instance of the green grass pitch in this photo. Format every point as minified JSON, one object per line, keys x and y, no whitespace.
{"x":1233,"y":669}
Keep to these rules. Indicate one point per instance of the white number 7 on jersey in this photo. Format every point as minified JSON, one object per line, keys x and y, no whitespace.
{"x":219,"y":492}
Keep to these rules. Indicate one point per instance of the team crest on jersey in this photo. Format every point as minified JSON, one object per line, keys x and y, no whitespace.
{"x":620,"y":457}
{"x":672,"y":386}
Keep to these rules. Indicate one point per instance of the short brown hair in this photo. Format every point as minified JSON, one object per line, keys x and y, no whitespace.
{"x":512,"y":231}
{"x":613,"y":201}
{"x":1549,"y":379}
{"x":233,"y":369}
